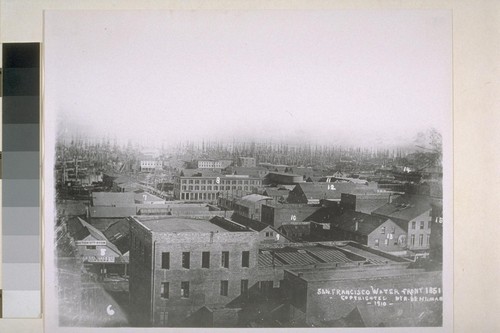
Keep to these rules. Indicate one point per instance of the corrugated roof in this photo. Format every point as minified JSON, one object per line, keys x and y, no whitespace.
{"x":297,"y":258}
{"x":328,"y":255}
{"x":266,"y":259}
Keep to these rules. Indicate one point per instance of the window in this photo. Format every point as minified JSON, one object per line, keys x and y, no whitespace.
{"x":386,"y":242}
{"x":393,"y":231}
{"x":422,"y":225}
{"x":164,"y":289}
{"x":412,"y":240}
{"x":224,"y":286}
{"x":225,"y":259}
{"x":185,"y":259}
{"x":376,"y":242}
{"x":185,"y":289}
{"x":413,"y":225}
{"x":244,"y":286}
{"x":382,"y":230}
{"x":91,"y":247}
{"x":428,"y":239}
{"x":420,"y":240}
{"x":205,"y":260}
{"x":165,"y":260}
{"x":245,"y":259}
{"x":163,"y":318}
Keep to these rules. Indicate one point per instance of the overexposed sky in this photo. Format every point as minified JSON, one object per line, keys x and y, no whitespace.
{"x":364,"y":77}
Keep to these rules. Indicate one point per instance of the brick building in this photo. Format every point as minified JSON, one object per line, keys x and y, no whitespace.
{"x":206,"y":186}
{"x":179,"y":266}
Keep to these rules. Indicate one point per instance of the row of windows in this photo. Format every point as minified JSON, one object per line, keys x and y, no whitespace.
{"x":221,"y":181}
{"x":151,"y":163}
{"x":184,"y":291}
{"x":420,"y":240}
{"x":198,"y":196}
{"x":205,"y":259}
{"x":422,"y":225}
{"x":213,"y":188}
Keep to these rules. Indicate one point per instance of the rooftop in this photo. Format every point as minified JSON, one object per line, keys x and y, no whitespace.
{"x":164,"y":224}
{"x":366,"y":223}
{"x":347,"y":273}
{"x":112,"y":198}
{"x":253,"y":198}
{"x":405,"y":207}
{"x":111,"y":212}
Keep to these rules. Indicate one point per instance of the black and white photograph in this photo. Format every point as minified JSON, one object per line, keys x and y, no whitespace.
{"x":248,"y":169}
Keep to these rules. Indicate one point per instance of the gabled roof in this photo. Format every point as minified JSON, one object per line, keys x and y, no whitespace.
{"x":98,"y":235}
{"x":405,"y":207}
{"x":290,"y":228}
{"x":276,"y":192}
{"x":118,"y":233}
{"x":252,"y":224}
{"x":252,"y":199}
{"x":366,"y":223}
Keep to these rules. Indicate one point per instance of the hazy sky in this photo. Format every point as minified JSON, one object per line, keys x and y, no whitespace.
{"x":301,"y":75}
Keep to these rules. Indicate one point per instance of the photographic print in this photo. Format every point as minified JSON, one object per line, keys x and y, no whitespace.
{"x":247,"y":169}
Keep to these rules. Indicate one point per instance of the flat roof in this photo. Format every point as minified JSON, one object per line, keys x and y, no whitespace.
{"x":177,"y":224}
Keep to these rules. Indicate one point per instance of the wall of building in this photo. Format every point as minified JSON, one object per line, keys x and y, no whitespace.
{"x":278,"y":215}
{"x":419,"y":233}
{"x":204,"y":283}
{"x":390,"y":240}
{"x":323,"y":304}
{"x":140,"y":275}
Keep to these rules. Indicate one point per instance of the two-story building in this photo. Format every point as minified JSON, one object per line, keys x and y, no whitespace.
{"x":412,"y":212}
